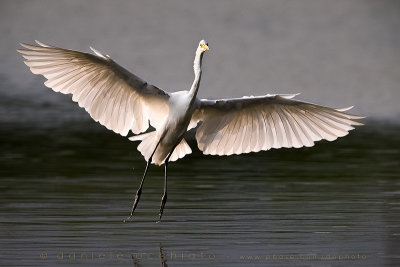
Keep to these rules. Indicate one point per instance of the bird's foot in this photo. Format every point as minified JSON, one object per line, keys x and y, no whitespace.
{"x":162,"y":206}
{"x":137,"y":197}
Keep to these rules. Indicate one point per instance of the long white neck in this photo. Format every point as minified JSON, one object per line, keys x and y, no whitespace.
{"x":197,"y":73}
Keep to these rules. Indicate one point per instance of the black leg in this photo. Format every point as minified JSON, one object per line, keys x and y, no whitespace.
{"x":139,"y":191}
{"x":164,"y":197}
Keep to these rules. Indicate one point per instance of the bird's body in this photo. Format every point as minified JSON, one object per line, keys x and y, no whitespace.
{"x":175,"y":126}
{"x":123,"y":102}
{"x":168,"y":138}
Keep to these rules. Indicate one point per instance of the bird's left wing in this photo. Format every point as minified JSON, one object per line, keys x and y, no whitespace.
{"x":251,"y":124}
{"x":113,"y":96}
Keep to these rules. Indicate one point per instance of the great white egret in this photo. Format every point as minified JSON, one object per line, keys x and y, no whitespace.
{"x":121,"y":101}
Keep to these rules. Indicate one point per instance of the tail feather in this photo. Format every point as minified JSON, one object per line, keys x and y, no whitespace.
{"x":180,"y":151}
{"x":140,"y":137}
{"x":148,"y":144}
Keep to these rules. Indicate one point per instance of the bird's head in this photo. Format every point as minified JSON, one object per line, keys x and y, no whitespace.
{"x":203,"y":46}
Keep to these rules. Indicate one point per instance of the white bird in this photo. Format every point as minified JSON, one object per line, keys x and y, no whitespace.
{"x":121,"y":101}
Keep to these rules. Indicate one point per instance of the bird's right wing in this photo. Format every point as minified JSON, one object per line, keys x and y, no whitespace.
{"x":113,"y":96}
{"x":251,"y":124}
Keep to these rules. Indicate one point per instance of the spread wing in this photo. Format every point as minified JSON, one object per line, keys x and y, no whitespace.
{"x":113,"y":96}
{"x":251,"y":124}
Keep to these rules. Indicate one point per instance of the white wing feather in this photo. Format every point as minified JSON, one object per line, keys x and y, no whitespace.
{"x":113,"y":96}
{"x":251,"y":124}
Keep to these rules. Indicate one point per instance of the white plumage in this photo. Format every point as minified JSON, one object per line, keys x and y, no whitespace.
{"x":251,"y":124}
{"x":123,"y":102}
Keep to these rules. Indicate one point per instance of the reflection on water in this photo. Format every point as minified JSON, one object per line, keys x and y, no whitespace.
{"x":66,"y":189}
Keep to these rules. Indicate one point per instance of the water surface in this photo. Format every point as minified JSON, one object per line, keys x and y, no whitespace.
{"x":66,"y":188}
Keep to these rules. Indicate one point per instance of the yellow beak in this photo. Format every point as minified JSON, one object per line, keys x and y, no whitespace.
{"x":204,"y":46}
